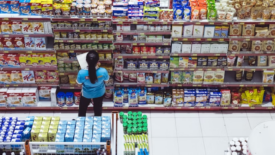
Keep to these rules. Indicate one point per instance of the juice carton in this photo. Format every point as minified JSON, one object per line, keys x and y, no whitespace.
{"x":24,"y":9}
{"x":56,"y":123}
{"x":34,"y":135}
{"x":69,"y":137}
{"x":29,"y":118}
{"x":46,"y":123}
{"x":38,"y":27}
{"x":29,"y":43}
{"x":56,"y":118}
{"x":46,"y":118}
{"x":52,"y":135}
{"x":51,"y":127}
{"x":44,"y":130}
{"x":37,"y":123}
{"x":43,"y":137}
{"x":28,"y":77}
{"x":3,"y":97}
{"x":14,"y":7}
{"x":16,"y":27}
{"x":27,"y":27}
{"x":40,"y":43}
{"x":63,"y":122}
{"x":5,"y":77}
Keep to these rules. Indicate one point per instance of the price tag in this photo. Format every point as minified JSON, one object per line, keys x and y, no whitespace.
{"x":152,"y":107}
{"x":134,"y":44}
{"x":191,"y":69}
{"x":252,"y":107}
{"x":175,"y":39}
{"x":25,"y":19}
{"x":269,"y":107}
{"x":141,"y":44}
{"x":119,"y":57}
{"x":171,"y":69}
{"x":252,"y":69}
{"x":95,"y":41}
{"x":15,"y":85}
{"x":65,"y":108}
{"x":61,"y":61}
{"x":118,"y":33}
{"x":5,"y":18}
{"x":202,"y":107}
{"x":61,"y":73}
{"x":224,"y":107}
{"x":265,"y":85}
{"x":160,"y":57}
{"x":247,"y":39}
{"x":76,"y":30}
{"x":27,"y":69}
{"x":199,"y":85}
{"x":185,"y":39}
{"x":125,"y":107}
{"x":94,"y":19}
{"x":191,"y":107}
{"x":104,"y":31}
{"x":198,"y":23}
{"x":194,"y":54}
{"x":198,"y":39}
{"x":225,"y":23}
{"x":175,"y":54}
{"x":12,"y":108}
{"x":207,"y":107}
{"x":165,"y":23}
{"x":211,"y":23}
{"x":71,"y":87}
{"x":134,"y":22}
{"x":179,"y":85}
{"x":29,"y":52}
{"x":149,"y":22}
{"x":71,"y":51}
{"x":209,"y":69}
{"x":7,"y":85}
{"x":105,"y":108}
{"x":262,"y":23}
{"x":82,"y":19}
{"x":242,"y":23}
{"x":241,"y":85}
{"x":120,"y":22}
{"x":149,"y":85}
{"x":70,"y":41}
{"x":142,"y":34}
{"x":217,"y":54}
{"x":154,"y":71}
{"x":221,"y":39}
{"x":209,"y":39}
{"x":61,"y":41}
{"x":178,"y":107}
{"x":145,"y":57}
{"x":118,"y":85}
{"x":199,"y":69}
{"x":165,"y":43}
{"x":26,"y":35}
{"x":235,"y":107}
{"x":6,"y":51}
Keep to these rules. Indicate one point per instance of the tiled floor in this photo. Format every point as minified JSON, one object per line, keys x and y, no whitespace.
{"x":187,"y":133}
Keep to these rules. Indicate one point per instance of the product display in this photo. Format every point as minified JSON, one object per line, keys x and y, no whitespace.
{"x":238,"y":146}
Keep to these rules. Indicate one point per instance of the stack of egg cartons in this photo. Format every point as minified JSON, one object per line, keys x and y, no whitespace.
{"x":11,"y":129}
{"x":96,"y":131}
{"x":78,"y":135}
{"x":54,"y":122}
{"x":60,"y":135}
{"x":88,"y":133}
{"x":105,"y":128}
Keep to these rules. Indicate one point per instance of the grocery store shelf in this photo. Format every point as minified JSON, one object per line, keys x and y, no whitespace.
{"x":198,"y":54}
{"x":106,"y":61}
{"x":249,"y":38}
{"x":78,"y":40}
{"x":199,"y":39}
{"x":26,"y":35}
{"x":67,"y":61}
{"x":250,"y":21}
{"x":137,"y":21}
{"x":250,"y":53}
{"x":141,"y":71}
{"x":135,"y":32}
{"x":84,"y":50}
{"x":202,"y":22}
{"x":76,"y":86}
{"x":199,"y":68}
{"x":34,"y":68}
{"x":133,"y":84}
{"x":17,"y":17}
{"x":248,"y":68}
{"x":140,"y":56}
{"x":68,"y":73}
{"x":142,"y":43}
{"x":68,"y":18}
{"x":81,"y":30}
{"x":49,"y":50}
{"x":30,"y":84}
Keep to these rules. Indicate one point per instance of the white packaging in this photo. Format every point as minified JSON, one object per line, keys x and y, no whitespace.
{"x":14,"y":97}
{"x":50,"y":27}
{"x":119,"y":27}
{"x":46,"y":29}
{"x":38,"y":27}
{"x":29,"y":97}
{"x":196,"y":48}
{"x":145,"y":27}
{"x":44,"y":93}
{"x":209,"y":31}
{"x":3,"y":97}
{"x":213,"y":48}
{"x":29,"y":43}
{"x":27,"y":28}
{"x":153,"y":27}
{"x":40,"y":43}
{"x":176,"y":31}
{"x":119,"y":38}
{"x":186,"y":48}
{"x":176,"y":47}
{"x":198,"y":30}
{"x":28,"y":77}
{"x":188,"y":30}
{"x":140,"y":27}
{"x":53,"y":97}
{"x":224,"y":48}
{"x":205,"y":48}
{"x":126,"y":27}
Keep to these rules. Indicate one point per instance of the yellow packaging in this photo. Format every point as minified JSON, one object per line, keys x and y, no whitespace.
{"x":37,"y":122}
{"x":42,"y":137}
{"x":28,"y":59}
{"x":40,"y":59}
{"x":51,"y":135}
{"x":273,"y":99}
{"x":53,"y":60}
{"x":51,"y":127}
{"x":46,"y":123}
{"x":55,"y":118}
{"x":47,"y":118}
{"x":101,"y":56}
{"x":54,"y":123}
{"x":35,"y":58}
{"x":45,"y":130}
{"x":34,"y":135}
{"x":45,"y":126}
{"x":36,"y":126}
{"x":108,"y":56}
{"x":22,"y":58}
{"x":38,"y":118}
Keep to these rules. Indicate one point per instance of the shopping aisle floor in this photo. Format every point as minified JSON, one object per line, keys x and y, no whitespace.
{"x":187,"y":133}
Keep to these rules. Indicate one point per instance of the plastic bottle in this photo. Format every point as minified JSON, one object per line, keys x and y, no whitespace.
{"x":12,"y":153}
{"x":129,"y":126}
{"x":130,"y":117}
{"x":144,"y":117}
{"x":139,"y":113}
{"x":134,"y":130}
{"x":144,"y":120}
{"x":135,"y":122}
{"x":125,"y":127}
{"x":140,"y":125}
{"x":139,"y":130}
{"x":134,"y":114}
{"x":124,"y":117}
{"x":21,"y":153}
{"x":135,"y":125}
{"x":129,"y":121}
{"x":144,"y":130}
{"x":129,"y":131}
{"x":145,"y":125}
{"x":130,"y":113}
{"x":139,"y":121}
{"x":121,"y":114}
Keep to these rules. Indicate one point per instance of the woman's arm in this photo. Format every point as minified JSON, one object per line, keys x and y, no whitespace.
{"x":79,"y":78}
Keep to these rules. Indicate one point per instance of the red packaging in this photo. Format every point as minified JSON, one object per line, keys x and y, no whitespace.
{"x":5,"y":77}
{"x":3,"y":60}
{"x":143,"y":50}
{"x":119,"y":76}
{"x":6,"y":28}
{"x":236,"y":98}
{"x":16,"y":27}
{"x":1,"y":43}
{"x":52,"y":76}
{"x":13,"y":60}
{"x":3,"y":97}
{"x":77,"y":96}
{"x":8,"y":43}
{"x":19,"y":42}
{"x":136,"y":50}
{"x":151,"y":51}
{"x":125,"y":76}
{"x":41,"y":76}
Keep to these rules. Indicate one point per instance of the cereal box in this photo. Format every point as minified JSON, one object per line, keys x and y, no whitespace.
{"x":14,"y":7}
{"x":40,"y":59}
{"x":14,"y":97}
{"x":38,"y":27}
{"x":5,"y":77}
{"x":35,"y":58}
{"x":16,"y":27}
{"x":19,"y":43}
{"x":12,"y":60}
{"x":3,"y":97}
{"x":16,"y":77}
{"x":40,"y":43}
{"x":3,"y":61}
{"x":8,"y":43}
{"x":29,"y":97}
{"x":52,"y":76}
{"x":183,"y":62}
{"x":24,"y":9}
{"x":27,"y":27}
{"x":47,"y":10}
{"x":28,"y":77}
{"x":35,"y":9}
{"x":29,"y":43}
{"x":1,"y":43}
{"x":44,"y":93}
{"x":5,"y":7}
{"x":22,"y":59}
{"x":143,"y":50}
{"x":41,"y":76}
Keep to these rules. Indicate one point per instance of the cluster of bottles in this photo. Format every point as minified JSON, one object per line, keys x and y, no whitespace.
{"x":101,"y":151}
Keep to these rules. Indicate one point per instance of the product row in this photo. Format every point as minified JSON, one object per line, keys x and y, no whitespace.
{"x":251,"y":61}
{"x":185,"y":62}
{"x":21,"y":43}
{"x":141,"y":64}
{"x":144,"y":50}
{"x":143,"y":27}
{"x":29,"y":60}
{"x":238,"y":146}
{"x":77,"y":24}
{"x":142,"y":78}
{"x":254,"y":46}
{"x":199,"y":47}
{"x":25,"y":77}
{"x":83,"y":46}
{"x":71,"y":79}
{"x":84,"y":35}
{"x":16,"y":27}
{"x":143,"y":38}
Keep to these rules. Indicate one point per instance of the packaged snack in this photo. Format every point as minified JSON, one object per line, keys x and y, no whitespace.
{"x":12,"y":60}
{"x":192,"y":61}
{"x":157,"y":78}
{"x":240,"y":60}
{"x":6,"y":28}
{"x":19,"y":43}
{"x":174,"y":62}
{"x":235,"y":30}
{"x":29,"y":43}
{"x":16,"y":77}
{"x":163,"y":64}
{"x":236,"y":98}
{"x":164,"y":77}
{"x":176,"y":77}
{"x":38,"y":27}
{"x":256,"y":46}
{"x":40,"y":43}
{"x":142,"y":96}
{"x":133,"y":77}
{"x":209,"y":77}
{"x":27,"y":27}
{"x":189,"y":98}
{"x":231,"y":60}
{"x":28,"y":77}
{"x":5,"y":77}
{"x":143,"y":64}
{"x":52,"y":76}
{"x":133,"y":98}
{"x":40,"y":76}
{"x":140,"y":77}
{"x":198,"y":77}
{"x":118,"y":98}
{"x":151,"y":51}
{"x":234,"y":46}
{"x":214,"y":99}
{"x":217,"y":31}
{"x":3,"y":60}
{"x":16,"y":27}
{"x":268,"y":76}
{"x":158,"y":98}
{"x":248,"y":30}
{"x":218,"y":77}
{"x":226,"y":97}
{"x":143,"y":50}
{"x":268,"y":45}
{"x":119,"y":76}
{"x":272,"y":30}
{"x":187,"y":77}
{"x":262,"y":61}
{"x":149,"y":78}
{"x":153,"y":64}
{"x":8,"y":43}
{"x":201,"y":98}
{"x":150,"y":98}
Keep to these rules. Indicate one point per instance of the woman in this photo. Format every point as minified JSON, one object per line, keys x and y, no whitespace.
{"x":93,"y":87}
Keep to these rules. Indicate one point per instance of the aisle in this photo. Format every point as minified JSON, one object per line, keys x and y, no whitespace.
{"x":186,"y":133}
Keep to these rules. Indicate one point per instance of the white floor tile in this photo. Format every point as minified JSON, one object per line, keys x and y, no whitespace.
{"x":163,"y":127}
{"x":165,"y":146}
{"x":165,"y":114}
{"x":237,"y":126}
{"x":213,"y":127}
{"x":258,"y":114}
{"x":148,"y":113}
{"x":215,"y":145}
{"x":188,"y":127}
{"x":186,"y":146}
{"x":229,"y":114}
{"x":186,"y":114}
{"x":257,"y":120}
{"x":272,"y":113}
{"x":41,"y":113}
{"x":149,"y":122}
{"x":210,"y":114}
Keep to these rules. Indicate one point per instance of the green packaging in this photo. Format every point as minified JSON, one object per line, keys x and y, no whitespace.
{"x":174,"y":62}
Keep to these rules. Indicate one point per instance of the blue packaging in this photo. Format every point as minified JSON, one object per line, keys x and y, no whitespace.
{"x":97,"y":122}
{"x":71,"y":122}
{"x":14,"y":7}
{"x":61,"y":131}
{"x":18,"y":132}
{"x":63,"y":122}
{"x":29,"y":118}
{"x":80,"y":123}
{"x":26,"y":133}
{"x":62,"y":127}
{"x":27,"y":124}
{"x":96,"y":139}
{"x":201,"y":98}
{"x":142,"y":96}
{"x":189,"y":98}
{"x":20,"y":127}
{"x":97,"y":126}
{"x":81,"y":119}
{"x":69,"y":137}
{"x":118,"y":95}
{"x":119,"y":12}
{"x":88,"y":135}
{"x":187,"y":13}
{"x":97,"y":118}
{"x":60,"y":136}
{"x":69,"y":99}
{"x":14,"y":118}
{"x":88,"y":127}
{"x":12,"y":128}
{"x":79,"y":128}
{"x":178,"y":11}
{"x":96,"y":131}
{"x":90,"y":123}
{"x":24,"y":9}
{"x":61,"y":101}
{"x":89,"y":118}
{"x":15,"y":140}
{"x":7,"y":118}
{"x":70,"y":131}
{"x":71,"y":127}
{"x":79,"y":131}
{"x":4,"y":7}
{"x":105,"y":137}
{"x":106,"y":131}
{"x":215,"y":98}
{"x":106,"y":126}
{"x":17,"y":136}
{"x":5,"y":127}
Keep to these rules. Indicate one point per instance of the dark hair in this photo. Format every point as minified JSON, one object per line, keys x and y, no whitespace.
{"x":92,"y":59}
